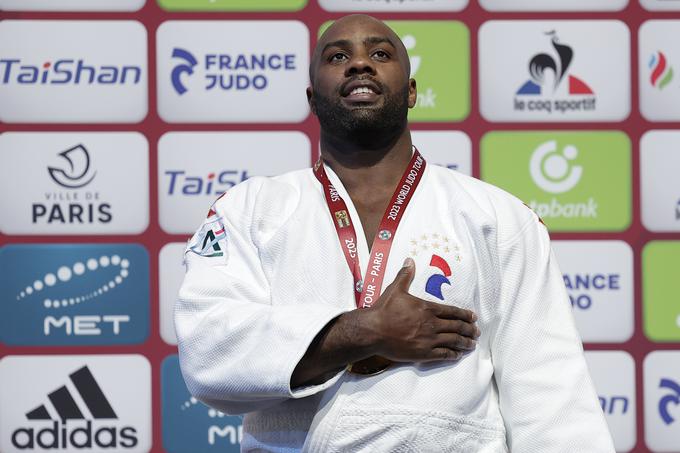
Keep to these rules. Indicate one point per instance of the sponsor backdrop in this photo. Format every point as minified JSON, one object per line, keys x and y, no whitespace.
{"x":122,"y":120}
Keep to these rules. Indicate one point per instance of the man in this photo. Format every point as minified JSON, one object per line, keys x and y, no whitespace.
{"x":471,"y":347}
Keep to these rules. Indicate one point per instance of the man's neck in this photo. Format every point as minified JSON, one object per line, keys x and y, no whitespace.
{"x":368,"y":169}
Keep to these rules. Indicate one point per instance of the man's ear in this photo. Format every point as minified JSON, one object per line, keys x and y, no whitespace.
{"x":310,"y":100}
{"x":412,"y":93}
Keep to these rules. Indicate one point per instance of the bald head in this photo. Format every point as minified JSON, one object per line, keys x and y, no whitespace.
{"x":371,"y":29}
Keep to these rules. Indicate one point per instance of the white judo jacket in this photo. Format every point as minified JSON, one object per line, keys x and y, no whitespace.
{"x":265,"y":273}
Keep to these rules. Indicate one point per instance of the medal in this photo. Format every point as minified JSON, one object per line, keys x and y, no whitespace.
{"x":367,"y":290}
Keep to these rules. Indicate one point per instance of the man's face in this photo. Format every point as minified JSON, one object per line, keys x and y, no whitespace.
{"x":360,"y":79}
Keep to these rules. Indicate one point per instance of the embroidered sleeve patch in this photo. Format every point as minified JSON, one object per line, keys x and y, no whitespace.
{"x":210,"y":241}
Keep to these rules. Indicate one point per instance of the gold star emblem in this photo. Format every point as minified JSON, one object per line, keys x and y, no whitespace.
{"x":414,"y":252}
{"x":446,"y":250}
{"x":424,"y":237}
{"x":445,"y":239}
{"x":414,"y":242}
{"x":435,"y":245}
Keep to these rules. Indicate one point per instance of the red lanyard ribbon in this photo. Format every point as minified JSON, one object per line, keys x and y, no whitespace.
{"x":367,"y":291}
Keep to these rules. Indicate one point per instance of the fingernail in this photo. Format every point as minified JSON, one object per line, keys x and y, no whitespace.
{"x":408,"y":262}
{"x":474,"y":316}
{"x":477,"y":331}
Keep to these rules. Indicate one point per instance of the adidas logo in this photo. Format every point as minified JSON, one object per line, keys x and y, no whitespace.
{"x":67,"y":429}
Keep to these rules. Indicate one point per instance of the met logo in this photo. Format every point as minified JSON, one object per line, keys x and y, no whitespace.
{"x":203,"y":428}
{"x":74,"y":294}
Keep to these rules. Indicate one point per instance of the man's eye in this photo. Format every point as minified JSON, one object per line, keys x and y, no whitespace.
{"x":338,"y":57}
{"x":381,"y":54}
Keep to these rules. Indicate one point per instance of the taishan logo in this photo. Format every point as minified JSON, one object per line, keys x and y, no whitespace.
{"x":67,"y":72}
{"x":661,"y":72}
{"x":93,"y":424}
{"x":551,"y":88}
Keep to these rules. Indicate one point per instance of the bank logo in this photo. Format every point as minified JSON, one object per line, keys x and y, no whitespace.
{"x":673,"y":397}
{"x":552,"y":170}
{"x":559,"y":67}
{"x":217,"y":71}
{"x":70,"y":79}
{"x":80,"y":405}
{"x":559,"y":175}
{"x":661,"y":72}
{"x":204,"y":429}
{"x":188,"y":62}
{"x":69,"y":183}
{"x":75,"y":174}
{"x":77,"y":294}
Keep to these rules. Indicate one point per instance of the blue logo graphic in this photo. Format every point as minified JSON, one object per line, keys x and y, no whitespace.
{"x":189,"y":425}
{"x":74,"y":294}
{"x":187,"y":68}
{"x":435,"y":282}
{"x":67,"y":72}
{"x":668,"y":399}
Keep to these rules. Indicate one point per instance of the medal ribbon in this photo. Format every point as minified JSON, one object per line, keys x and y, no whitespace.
{"x":367,"y":291}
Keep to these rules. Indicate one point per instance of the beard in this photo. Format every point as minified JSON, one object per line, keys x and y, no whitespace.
{"x":367,"y":125}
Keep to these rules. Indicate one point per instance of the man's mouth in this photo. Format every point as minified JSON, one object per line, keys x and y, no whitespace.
{"x":361,"y":91}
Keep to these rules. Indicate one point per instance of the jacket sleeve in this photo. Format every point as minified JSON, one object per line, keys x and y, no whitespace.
{"x":547,"y":398}
{"x":238,"y":351}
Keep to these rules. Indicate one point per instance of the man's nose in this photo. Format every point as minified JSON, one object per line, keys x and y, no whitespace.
{"x":360,"y":63}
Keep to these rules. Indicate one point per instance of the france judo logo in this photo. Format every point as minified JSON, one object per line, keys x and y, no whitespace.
{"x":436,"y":281}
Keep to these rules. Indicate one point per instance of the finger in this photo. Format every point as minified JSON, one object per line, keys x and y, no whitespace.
{"x":457,"y":326}
{"x":456,"y":342}
{"x":453,"y":312}
{"x":444,"y":354}
{"x":405,"y":275}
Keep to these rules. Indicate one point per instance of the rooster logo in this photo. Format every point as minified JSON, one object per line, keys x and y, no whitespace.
{"x":542,"y":62}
